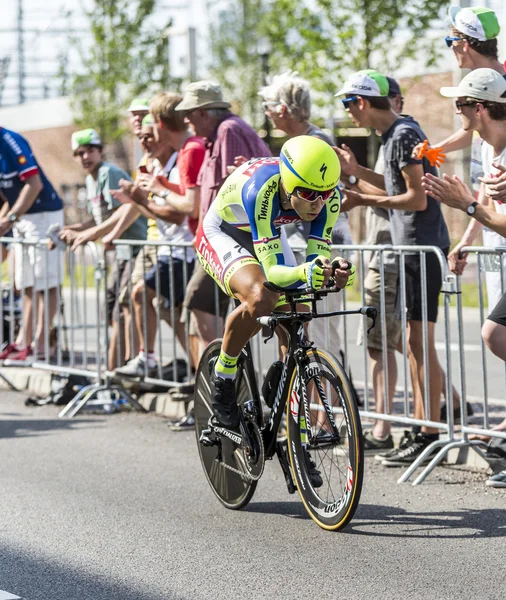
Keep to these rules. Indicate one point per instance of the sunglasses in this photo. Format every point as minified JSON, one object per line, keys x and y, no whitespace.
{"x":347,"y":101}
{"x":450,"y":39}
{"x":270,"y":105}
{"x":460,"y":105}
{"x":313,"y":195}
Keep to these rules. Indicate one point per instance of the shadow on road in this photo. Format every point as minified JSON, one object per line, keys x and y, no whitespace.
{"x":43,"y":579}
{"x":294,"y":510}
{"x":30,"y":427}
{"x":384,"y":521}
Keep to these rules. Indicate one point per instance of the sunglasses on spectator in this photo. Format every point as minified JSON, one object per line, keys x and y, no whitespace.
{"x":450,"y":39}
{"x":269,"y":105}
{"x":313,"y":195}
{"x":459,"y":105}
{"x":347,"y":101}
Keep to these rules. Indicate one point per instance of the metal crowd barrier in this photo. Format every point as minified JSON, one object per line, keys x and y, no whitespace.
{"x":84,"y":320}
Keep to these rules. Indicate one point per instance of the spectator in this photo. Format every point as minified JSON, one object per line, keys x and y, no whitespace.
{"x":171,"y":204}
{"x":227,"y":136}
{"x":107,"y":215}
{"x":481,"y":104}
{"x":138,"y":109}
{"x":287,"y":103}
{"x":415,"y":219}
{"x":34,"y":208}
{"x":473,"y":40}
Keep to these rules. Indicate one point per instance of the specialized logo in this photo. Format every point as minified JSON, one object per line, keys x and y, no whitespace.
{"x":275,"y":405}
{"x":266,"y":198}
{"x":237,"y":439}
{"x":323,"y":171}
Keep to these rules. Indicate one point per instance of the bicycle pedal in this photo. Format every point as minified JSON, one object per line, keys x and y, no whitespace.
{"x":205,"y":440}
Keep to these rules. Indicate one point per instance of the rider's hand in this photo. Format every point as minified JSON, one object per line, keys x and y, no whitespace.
{"x":318,"y":272}
{"x":343,"y":272}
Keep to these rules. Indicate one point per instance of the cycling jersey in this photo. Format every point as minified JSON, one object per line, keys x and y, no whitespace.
{"x":248,"y":210}
{"x":17,"y":164}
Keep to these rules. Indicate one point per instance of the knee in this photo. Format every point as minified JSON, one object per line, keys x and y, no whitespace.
{"x":138,"y":292}
{"x":492,"y":334}
{"x":260,"y":302}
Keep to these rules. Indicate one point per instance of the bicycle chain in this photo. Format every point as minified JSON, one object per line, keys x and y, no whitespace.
{"x":243,"y":473}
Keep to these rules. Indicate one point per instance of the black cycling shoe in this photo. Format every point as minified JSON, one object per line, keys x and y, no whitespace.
{"x":314,"y":475}
{"x":224,"y":404}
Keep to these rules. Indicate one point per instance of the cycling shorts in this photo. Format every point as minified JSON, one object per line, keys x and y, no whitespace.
{"x":223,"y":249}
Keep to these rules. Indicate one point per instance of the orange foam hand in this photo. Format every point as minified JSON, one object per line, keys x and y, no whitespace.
{"x":435,"y":156}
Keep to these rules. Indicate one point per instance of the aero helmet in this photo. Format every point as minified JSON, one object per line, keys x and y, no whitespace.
{"x":308,"y":162}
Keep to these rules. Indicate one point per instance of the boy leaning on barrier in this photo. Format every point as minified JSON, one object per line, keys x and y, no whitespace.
{"x":107,"y":215}
{"x":170,"y":195}
{"x":415,"y":220}
{"x":481,"y":104}
{"x":33,"y":208}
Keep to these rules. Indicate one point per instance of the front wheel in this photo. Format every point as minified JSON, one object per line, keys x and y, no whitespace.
{"x":329,"y":444}
{"x":231,"y":473}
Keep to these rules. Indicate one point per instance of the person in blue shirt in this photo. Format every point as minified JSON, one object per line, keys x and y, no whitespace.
{"x":34,"y":207}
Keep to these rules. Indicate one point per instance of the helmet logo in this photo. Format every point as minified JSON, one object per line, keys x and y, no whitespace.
{"x":323,"y":170}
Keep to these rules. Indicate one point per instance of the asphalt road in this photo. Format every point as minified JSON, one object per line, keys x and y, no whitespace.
{"x":117,"y":508}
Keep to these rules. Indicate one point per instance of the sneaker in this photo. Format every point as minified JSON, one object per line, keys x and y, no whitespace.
{"x":497,"y":481}
{"x":314,"y":475}
{"x":382,"y":455}
{"x":24,"y":356}
{"x":136,"y":368}
{"x":224,"y":404}
{"x":9,"y":349}
{"x":187,"y":423}
{"x":409,"y":453}
{"x":373,"y":444}
{"x":456,"y":413}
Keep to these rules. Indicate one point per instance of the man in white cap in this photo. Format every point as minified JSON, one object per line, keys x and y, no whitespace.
{"x":473,"y":40}
{"x":481,"y":104}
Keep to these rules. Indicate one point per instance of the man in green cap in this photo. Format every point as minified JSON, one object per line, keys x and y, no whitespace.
{"x":415,"y":219}
{"x":108,"y":217}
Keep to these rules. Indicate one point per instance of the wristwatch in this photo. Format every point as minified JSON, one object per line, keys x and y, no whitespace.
{"x":165,"y":194}
{"x":352,"y":179}
{"x":13,"y":217}
{"x":471,"y":209}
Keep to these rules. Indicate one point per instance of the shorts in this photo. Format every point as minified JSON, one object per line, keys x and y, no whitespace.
{"x":224,"y":250}
{"x":117,"y":282}
{"x":33,"y":266}
{"x":414,"y":287}
{"x":200,"y":294}
{"x":179,"y":281}
{"x":498,"y":315}
{"x":372,"y":285}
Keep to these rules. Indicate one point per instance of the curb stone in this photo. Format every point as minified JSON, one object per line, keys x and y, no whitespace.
{"x":35,"y":381}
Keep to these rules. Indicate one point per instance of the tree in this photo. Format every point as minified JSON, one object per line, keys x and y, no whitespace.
{"x":325,"y":39}
{"x":127,"y":56}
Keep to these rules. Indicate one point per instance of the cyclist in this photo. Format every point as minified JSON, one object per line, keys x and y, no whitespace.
{"x":240,"y":245}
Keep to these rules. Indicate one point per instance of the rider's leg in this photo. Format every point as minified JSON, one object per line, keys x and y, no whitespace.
{"x":241,"y":325}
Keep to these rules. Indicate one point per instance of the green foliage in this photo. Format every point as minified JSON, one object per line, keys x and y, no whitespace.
{"x":127,"y":56}
{"x":324,"y":40}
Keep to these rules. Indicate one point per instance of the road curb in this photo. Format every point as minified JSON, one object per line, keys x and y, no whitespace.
{"x":38,"y":382}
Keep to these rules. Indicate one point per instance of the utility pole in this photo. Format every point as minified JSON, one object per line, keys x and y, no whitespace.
{"x":21,"y":55}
